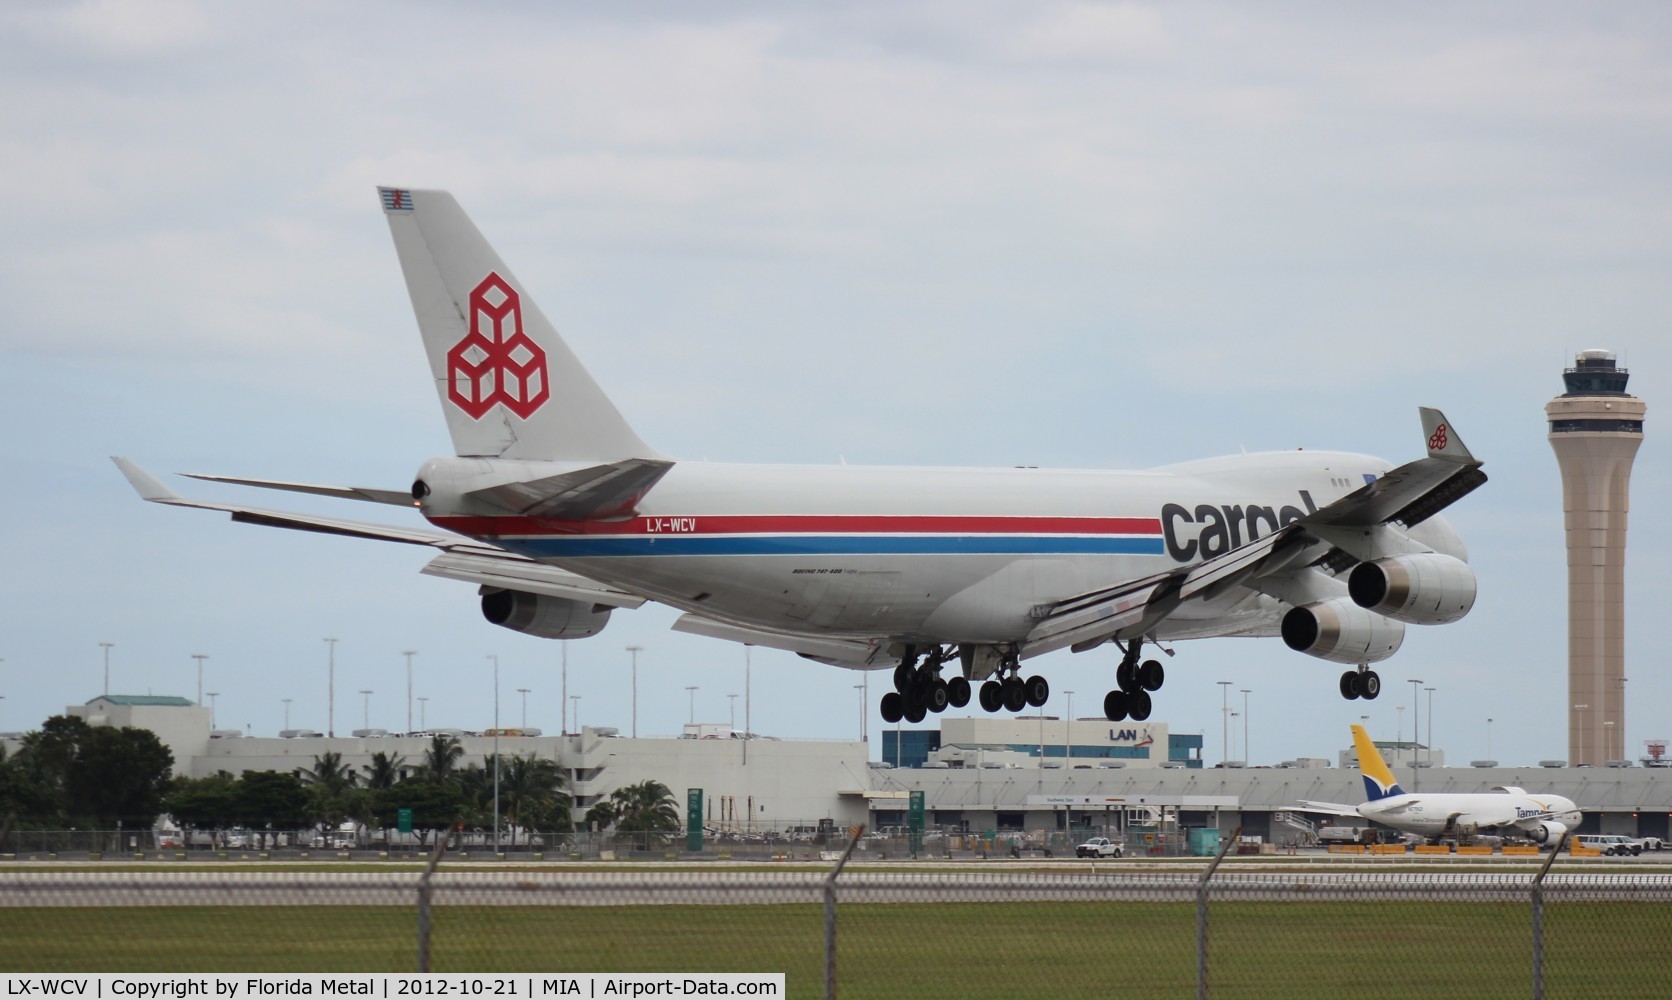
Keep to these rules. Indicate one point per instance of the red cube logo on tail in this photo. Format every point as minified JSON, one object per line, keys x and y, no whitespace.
{"x":496,"y":363}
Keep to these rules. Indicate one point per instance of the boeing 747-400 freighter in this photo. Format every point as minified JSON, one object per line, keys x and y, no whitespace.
{"x":950,"y":577}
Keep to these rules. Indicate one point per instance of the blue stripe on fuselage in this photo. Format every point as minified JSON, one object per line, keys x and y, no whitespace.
{"x":837,"y":545}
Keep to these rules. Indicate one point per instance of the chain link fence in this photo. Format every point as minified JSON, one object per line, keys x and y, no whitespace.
{"x":1000,"y":928}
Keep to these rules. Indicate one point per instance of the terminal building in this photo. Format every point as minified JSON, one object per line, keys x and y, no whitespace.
{"x":1028,"y":774}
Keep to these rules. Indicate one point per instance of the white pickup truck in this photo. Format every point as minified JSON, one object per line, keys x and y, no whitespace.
{"x":1098,"y":847}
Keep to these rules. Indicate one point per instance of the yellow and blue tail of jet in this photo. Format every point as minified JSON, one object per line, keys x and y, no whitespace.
{"x":1379,"y":782}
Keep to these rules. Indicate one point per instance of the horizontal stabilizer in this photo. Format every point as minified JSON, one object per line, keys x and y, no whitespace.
{"x":1332,"y":808}
{"x":593,"y":493}
{"x":850,"y":653}
{"x":398,"y":498}
{"x":506,"y":571}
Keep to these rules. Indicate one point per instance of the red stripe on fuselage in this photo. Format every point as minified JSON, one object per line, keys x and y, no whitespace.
{"x":803,"y":524}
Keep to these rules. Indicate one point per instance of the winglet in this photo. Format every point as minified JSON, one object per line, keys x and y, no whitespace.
{"x":148,"y":487}
{"x":1442,"y":438}
{"x":1379,"y":782}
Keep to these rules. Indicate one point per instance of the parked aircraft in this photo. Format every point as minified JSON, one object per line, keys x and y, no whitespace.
{"x":1506,"y":810}
{"x":562,"y":514}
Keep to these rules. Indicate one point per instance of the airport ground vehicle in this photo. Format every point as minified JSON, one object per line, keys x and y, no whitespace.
{"x":1611,"y":844}
{"x":1098,"y":847}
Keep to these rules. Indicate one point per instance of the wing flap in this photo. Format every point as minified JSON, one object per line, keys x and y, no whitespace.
{"x":396,"y":498}
{"x":506,"y":571}
{"x":593,"y":493}
{"x":852,"y":653}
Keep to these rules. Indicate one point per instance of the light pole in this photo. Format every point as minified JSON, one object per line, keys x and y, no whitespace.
{"x":747,"y":690}
{"x":575,"y":701}
{"x":1068,"y":731}
{"x":212,"y":696}
{"x":1416,"y":728}
{"x":861,"y":689}
{"x":634,"y":652}
{"x":1429,"y":753}
{"x":1399,"y":731}
{"x":286,"y":712}
{"x":495,"y":658}
{"x":365,"y":708}
{"x":423,"y":713}
{"x":563,"y":696}
{"x":1489,"y":737}
{"x":1225,"y":719}
{"x":409,"y":654}
{"x":107,"y":647}
{"x":199,"y":657}
{"x":733,"y":698}
{"x":331,"y":686}
{"x":1607,"y":740}
{"x":1234,"y":715}
{"x":691,"y":690}
{"x":1246,"y":756}
{"x":524,"y":693}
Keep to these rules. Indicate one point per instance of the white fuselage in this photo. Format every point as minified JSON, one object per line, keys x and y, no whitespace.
{"x":935,"y":555}
{"x":1436,"y":813}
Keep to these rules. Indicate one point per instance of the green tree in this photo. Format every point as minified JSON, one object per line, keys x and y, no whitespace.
{"x":384,"y":771}
{"x":531,"y":795}
{"x":647,"y":807}
{"x":270,"y":800}
{"x":328,"y":783}
{"x":70,"y":773}
{"x":442,"y":758}
{"x":209,"y":803}
{"x":434,"y":807}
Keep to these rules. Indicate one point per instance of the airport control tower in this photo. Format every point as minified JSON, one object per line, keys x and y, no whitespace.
{"x":1595,"y":428}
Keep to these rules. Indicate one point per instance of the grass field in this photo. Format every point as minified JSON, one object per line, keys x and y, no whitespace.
{"x":1392,"y":949}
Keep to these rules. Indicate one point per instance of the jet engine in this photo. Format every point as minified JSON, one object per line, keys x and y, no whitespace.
{"x":1546,"y":832}
{"x":546,"y":617}
{"x":1342,"y":632}
{"x":1426,"y":588}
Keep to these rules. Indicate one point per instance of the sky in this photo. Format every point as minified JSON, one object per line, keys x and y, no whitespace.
{"x":1079,"y":235}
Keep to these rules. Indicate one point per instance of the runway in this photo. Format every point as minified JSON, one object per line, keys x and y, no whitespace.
{"x":713,"y":887}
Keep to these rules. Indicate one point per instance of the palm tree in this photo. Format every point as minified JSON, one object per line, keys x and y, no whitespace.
{"x":647,"y":807}
{"x":384,"y":770}
{"x":329,"y":783}
{"x":531,"y":793}
{"x":442,"y":758}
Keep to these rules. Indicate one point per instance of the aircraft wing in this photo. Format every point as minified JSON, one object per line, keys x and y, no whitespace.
{"x":1409,"y":495}
{"x":461,"y":558}
{"x":1332,"y":808}
{"x":850,"y":653}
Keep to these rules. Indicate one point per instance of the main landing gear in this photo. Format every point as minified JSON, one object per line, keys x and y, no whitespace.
{"x":1136,"y":680}
{"x":1361,"y":683}
{"x":919,"y":688}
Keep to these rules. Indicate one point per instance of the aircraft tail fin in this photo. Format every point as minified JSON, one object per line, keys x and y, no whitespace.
{"x":1379,"y":782}
{"x":509,"y":386}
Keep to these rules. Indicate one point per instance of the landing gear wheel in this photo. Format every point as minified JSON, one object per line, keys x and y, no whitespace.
{"x":915,"y":713}
{"x":1015,"y":694}
{"x":903,"y":676}
{"x":1150,"y":675}
{"x":893,"y":707}
{"x":1038,"y":691}
{"x":1138,"y":705}
{"x":1370,"y":685}
{"x":992,"y":696}
{"x":936,"y":699}
{"x":1349,"y":685}
{"x":1126,"y":676}
{"x":1114,"y":706}
{"x":958,"y":692}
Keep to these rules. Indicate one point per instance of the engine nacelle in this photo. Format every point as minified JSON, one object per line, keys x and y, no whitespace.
{"x":1427,"y":588}
{"x":546,"y":617}
{"x":1546,"y":832}
{"x":1342,"y":632}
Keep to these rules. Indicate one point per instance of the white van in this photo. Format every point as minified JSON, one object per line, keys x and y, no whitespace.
{"x":1608,"y":843}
